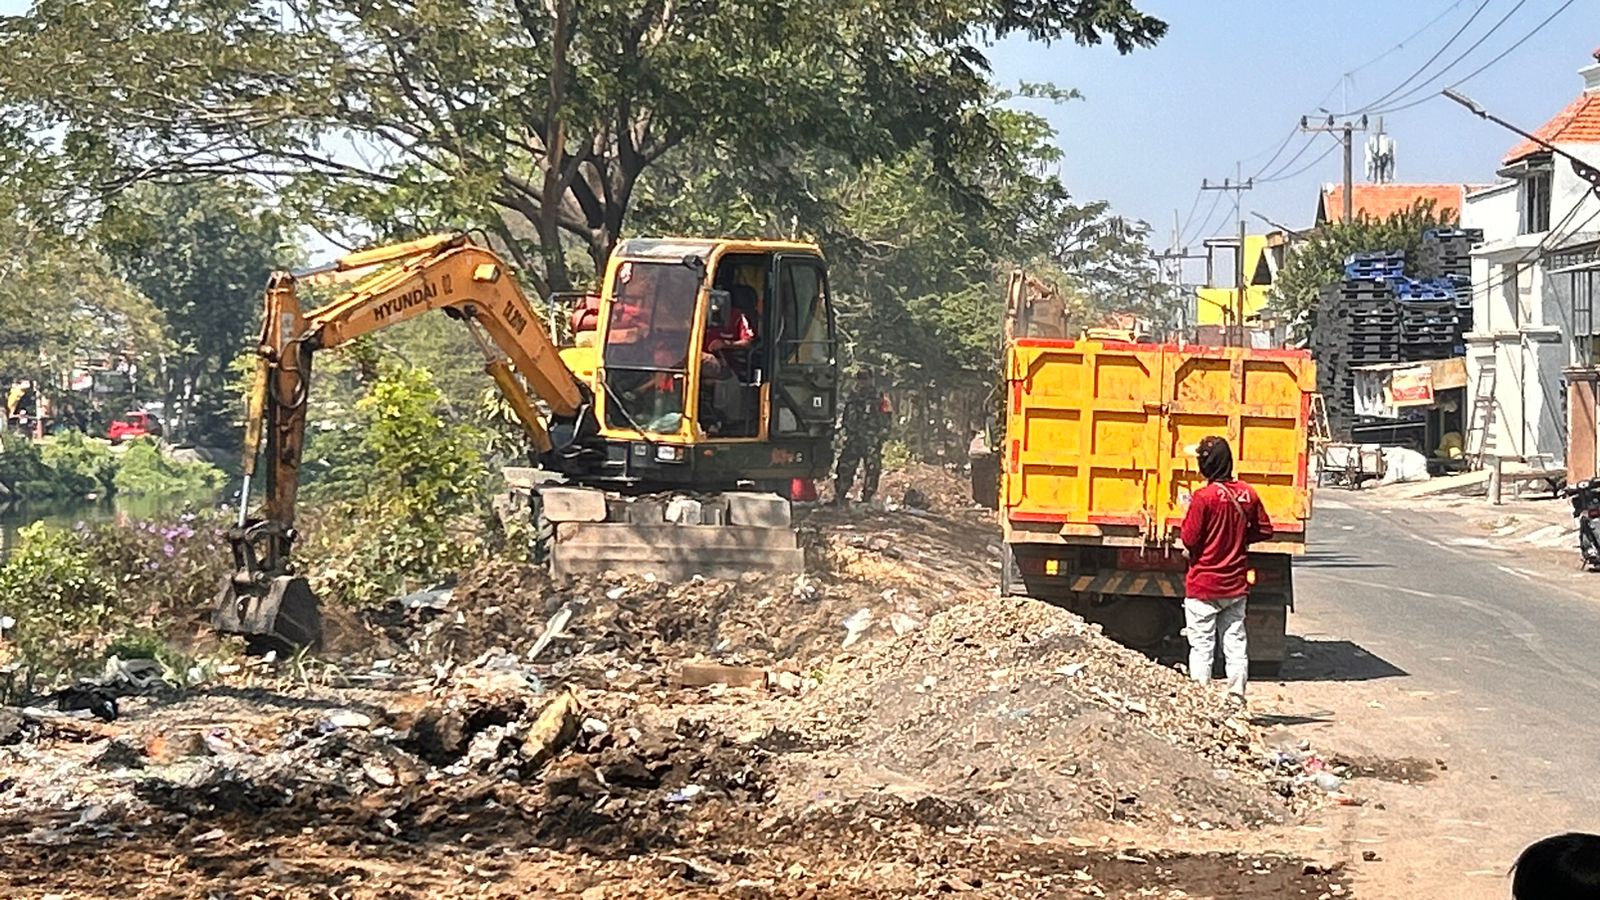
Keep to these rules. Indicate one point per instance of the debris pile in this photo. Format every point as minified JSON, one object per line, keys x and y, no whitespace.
{"x":882,"y":726}
{"x":1030,"y":716}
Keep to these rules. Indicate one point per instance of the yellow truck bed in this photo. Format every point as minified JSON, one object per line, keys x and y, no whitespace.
{"x":1100,"y":435}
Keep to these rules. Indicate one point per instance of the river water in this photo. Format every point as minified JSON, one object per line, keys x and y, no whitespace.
{"x":65,"y":514}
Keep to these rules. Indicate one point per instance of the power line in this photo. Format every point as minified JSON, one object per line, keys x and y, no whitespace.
{"x":1486,"y":66}
{"x":1464,"y":54}
{"x":1206,"y":222}
{"x":1293,"y":159}
{"x":1279,"y":152}
{"x":1424,"y":67}
{"x":1403,"y":41}
{"x":1184,"y":228}
{"x":1302,"y":170}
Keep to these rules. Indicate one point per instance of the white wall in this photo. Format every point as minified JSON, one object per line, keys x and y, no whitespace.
{"x":1568,"y":190}
{"x":1495,"y":212}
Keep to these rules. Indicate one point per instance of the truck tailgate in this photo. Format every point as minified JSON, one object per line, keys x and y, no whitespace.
{"x":1100,"y":436}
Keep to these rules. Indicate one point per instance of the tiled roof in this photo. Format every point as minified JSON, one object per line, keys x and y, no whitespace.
{"x":1379,"y":201}
{"x":1579,"y":123}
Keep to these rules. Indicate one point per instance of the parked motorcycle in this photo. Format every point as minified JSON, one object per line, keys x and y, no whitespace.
{"x":1585,"y":499}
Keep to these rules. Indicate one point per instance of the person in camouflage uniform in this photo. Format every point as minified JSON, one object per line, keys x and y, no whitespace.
{"x":865,"y":421}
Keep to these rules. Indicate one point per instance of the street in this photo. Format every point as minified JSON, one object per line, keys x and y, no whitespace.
{"x":1469,"y":666}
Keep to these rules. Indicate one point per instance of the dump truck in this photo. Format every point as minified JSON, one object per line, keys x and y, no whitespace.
{"x":698,"y":384}
{"x":1097,"y":465}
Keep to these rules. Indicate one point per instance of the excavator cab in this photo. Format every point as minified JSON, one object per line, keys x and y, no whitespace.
{"x":700,"y":382}
{"x":717,"y":364}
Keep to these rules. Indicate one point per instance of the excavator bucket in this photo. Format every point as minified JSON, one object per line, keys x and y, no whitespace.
{"x":281,"y":614}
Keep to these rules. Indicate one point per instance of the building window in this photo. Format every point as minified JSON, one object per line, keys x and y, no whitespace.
{"x":1536,"y":202}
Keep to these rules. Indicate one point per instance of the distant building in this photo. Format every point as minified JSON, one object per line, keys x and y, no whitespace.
{"x":1263,"y":259}
{"x":1380,"y":201}
{"x":1529,"y":326}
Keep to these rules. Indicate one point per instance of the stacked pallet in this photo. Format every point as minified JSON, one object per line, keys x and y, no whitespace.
{"x":1358,"y":324}
{"x":1448,"y":251}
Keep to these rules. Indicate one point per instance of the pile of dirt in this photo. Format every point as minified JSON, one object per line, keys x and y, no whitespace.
{"x":942,"y":489}
{"x":1024,"y":715}
{"x":895,"y":566}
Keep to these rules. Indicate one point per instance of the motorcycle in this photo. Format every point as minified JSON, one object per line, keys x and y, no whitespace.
{"x":1585,"y":499}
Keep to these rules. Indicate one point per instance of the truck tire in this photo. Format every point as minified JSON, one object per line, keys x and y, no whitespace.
{"x":1266,"y":668}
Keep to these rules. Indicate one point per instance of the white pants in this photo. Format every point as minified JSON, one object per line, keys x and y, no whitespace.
{"x":1203,"y":619}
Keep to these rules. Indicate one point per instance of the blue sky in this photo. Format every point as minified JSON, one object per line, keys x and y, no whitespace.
{"x":1232,"y":78}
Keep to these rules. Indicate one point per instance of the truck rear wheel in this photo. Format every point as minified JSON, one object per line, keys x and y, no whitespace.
{"x":1143,"y":623}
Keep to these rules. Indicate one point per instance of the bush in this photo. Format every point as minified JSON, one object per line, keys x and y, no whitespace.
{"x":164,"y":569}
{"x":87,"y":461}
{"x":420,"y":510}
{"x":145,"y":469}
{"x":130,"y":589}
{"x":62,"y":600}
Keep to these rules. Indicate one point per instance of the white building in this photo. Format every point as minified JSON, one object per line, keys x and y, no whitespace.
{"x":1524,"y":336}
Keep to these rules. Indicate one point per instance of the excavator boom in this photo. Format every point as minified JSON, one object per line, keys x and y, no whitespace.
{"x":263,"y":598}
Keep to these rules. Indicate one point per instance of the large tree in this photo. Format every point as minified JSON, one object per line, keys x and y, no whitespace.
{"x":64,"y":306}
{"x":540,"y":118}
{"x":201,"y":252}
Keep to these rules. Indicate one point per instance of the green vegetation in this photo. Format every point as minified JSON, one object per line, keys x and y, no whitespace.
{"x":133,"y":589}
{"x":60,"y":597}
{"x":145,"y":469}
{"x":88,"y":462}
{"x":416,"y":513}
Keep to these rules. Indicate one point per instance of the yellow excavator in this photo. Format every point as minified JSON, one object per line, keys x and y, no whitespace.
{"x":696,"y":386}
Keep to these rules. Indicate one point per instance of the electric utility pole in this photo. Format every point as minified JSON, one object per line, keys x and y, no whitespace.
{"x":1345,"y":131}
{"x":1171,"y":262}
{"x":1237,"y":187}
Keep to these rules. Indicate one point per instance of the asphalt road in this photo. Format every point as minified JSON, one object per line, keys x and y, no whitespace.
{"x":1420,"y":638}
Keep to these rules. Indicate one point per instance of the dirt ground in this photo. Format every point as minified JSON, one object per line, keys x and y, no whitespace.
{"x":884,"y":726}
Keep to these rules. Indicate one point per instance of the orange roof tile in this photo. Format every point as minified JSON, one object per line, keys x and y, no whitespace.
{"x":1579,"y":123}
{"x":1379,"y":201}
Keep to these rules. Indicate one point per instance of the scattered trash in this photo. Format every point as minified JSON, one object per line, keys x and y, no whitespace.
{"x":90,"y":698}
{"x":1329,"y":782}
{"x":685,"y":794}
{"x":436,"y":599}
{"x":856,"y":625}
{"x":901,"y":623}
{"x":343,"y":718}
{"x":553,"y":629}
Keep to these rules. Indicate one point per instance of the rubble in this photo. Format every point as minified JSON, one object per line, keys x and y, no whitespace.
{"x":882,"y":726}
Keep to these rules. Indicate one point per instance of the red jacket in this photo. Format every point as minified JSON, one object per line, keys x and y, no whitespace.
{"x":1224,"y":518}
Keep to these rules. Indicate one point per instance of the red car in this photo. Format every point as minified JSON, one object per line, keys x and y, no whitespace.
{"x":135,"y":424}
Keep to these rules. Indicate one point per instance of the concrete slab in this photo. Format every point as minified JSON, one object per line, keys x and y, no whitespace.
{"x":573,"y":504}
{"x":759,"y":510}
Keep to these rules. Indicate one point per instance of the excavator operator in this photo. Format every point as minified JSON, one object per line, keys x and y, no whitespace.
{"x":726,"y":341}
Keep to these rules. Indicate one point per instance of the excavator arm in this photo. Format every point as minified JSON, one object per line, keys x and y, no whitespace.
{"x":263,"y":599}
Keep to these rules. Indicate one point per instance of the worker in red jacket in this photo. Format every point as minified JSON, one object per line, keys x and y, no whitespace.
{"x":1224,"y":518}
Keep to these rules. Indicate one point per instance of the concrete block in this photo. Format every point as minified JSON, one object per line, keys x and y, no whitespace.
{"x":646,"y":512}
{"x":683,"y":511}
{"x":758,"y":510}
{"x":574,"y":504}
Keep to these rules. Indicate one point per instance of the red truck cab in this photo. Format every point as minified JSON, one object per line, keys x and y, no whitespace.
{"x":135,"y":424}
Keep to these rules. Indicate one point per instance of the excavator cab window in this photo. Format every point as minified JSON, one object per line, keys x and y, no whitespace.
{"x":647,"y":344}
{"x":732,"y":365}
